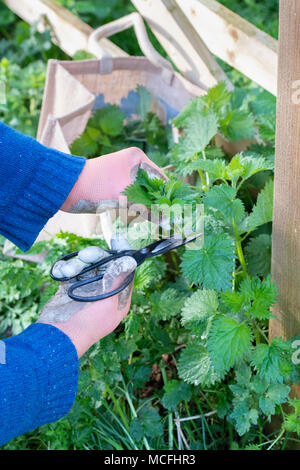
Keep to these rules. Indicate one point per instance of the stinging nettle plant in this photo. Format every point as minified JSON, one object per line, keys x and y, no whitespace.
{"x":227,"y":304}
{"x":199,"y":318}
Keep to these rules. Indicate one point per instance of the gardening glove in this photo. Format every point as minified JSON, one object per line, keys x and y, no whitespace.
{"x":87,"y":322}
{"x":103,"y":180}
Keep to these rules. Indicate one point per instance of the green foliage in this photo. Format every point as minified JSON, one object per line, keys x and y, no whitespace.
{"x":23,"y":101}
{"x":292,"y":420}
{"x":252,"y":396}
{"x":24,"y":52}
{"x":201,"y":305}
{"x":195,"y":339}
{"x":273,"y":361}
{"x":175,"y":392}
{"x":212,"y":266}
{"x":263,"y":210}
{"x":227,"y":313}
{"x":23,"y":291}
{"x":195,"y":366}
{"x":167,"y":303}
{"x":108,"y":130}
{"x":258,"y":255}
{"x":150,"y":191}
{"x":228,"y":342}
{"x":223,"y":199}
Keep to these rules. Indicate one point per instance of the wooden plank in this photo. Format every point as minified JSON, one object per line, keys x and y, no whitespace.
{"x":180,"y":40}
{"x":70,"y":33}
{"x":235,"y":40}
{"x":286,"y":225}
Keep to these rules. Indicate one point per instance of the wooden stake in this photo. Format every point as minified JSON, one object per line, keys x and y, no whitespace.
{"x":286,"y":225}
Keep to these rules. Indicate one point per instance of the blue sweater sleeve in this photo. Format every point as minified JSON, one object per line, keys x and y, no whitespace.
{"x":38,"y":379}
{"x":38,"y":375}
{"x":34,"y":183}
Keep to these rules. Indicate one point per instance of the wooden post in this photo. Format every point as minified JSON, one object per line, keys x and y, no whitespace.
{"x":286,"y":225}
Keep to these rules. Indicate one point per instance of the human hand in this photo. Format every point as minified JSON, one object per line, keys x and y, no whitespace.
{"x":87,"y":322}
{"x":103,"y":180}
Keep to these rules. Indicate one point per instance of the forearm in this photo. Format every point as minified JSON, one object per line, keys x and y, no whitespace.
{"x":38,"y":380}
{"x":35,"y":181}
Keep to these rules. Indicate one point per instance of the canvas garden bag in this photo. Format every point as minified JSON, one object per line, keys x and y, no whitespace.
{"x":74,"y":89}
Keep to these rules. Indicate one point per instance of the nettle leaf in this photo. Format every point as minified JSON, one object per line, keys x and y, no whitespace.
{"x":223,"y":199}
{"x":214,"y":153}
{"x":84,"y":146}
{"x":234,"y":300}
{"x":261,"y":294}
{"x":194,"y":106}
{"x":215,"y":99}
{"x":138,"y":194}
{"x":149,"y":272}
{"x":109,"y":119}
{"x":218,"y":97}
{"x":258,"y":255}
{"x":267,"y":128}
{"x":149,"y":191}
{"x":243,"y":375}
{"x":151,"y":421}
{"x":195,"y":366}
{"x":292,"y":420}
{"x":235,"y":170}
{"x":212,"y":266}
{"x":275,"y":395}
{"x":238,"y":125}
{"x":273,"y":362}
{"x":264,"y":109}
{"x":136,"y":429}
{"x":199,"y":129}
{"x":243,"y":167}
{"x":167,"y":304}
{"x":228,"y":342}
{"x":253,"y":164}
{"x":264,"y":103}
{"x":199,"y":306}
{"x":262,"y":212}
{"x":175,"y":392}
{"x":215,"y":168}
{"x":243,"y":417}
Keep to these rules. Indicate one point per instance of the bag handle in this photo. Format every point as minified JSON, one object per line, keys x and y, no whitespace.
{"x":132,"y":20}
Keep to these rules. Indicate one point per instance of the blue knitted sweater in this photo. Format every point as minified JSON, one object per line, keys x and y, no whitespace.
{"x":39,"y":367}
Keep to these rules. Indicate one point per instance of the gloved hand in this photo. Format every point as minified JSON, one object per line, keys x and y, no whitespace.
{"x":87,"y":322}
{"x":103,"y":179}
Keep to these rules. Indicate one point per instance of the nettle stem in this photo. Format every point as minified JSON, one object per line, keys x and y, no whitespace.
{"x":256,"y":333}
{"x":204,"y":185}
{"x":207,"y":175}
{"x":239,"y":249}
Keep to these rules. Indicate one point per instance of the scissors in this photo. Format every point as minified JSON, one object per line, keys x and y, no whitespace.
{"x":156,"y":248}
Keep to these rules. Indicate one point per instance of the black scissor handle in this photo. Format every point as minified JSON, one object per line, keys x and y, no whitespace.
{"x":149,"y":251}
{"x":79,"y":284}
